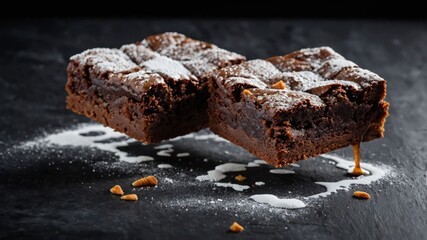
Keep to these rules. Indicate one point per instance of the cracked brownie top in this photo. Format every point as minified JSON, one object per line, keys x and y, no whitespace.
{"x":169,"y":59}
{"x":307,"y":77}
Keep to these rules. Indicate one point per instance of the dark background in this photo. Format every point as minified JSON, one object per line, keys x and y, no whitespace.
{"x":374,"y":9}
{"x":44,"y":201}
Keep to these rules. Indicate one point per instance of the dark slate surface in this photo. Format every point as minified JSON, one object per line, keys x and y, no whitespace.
{"x":62,"y":192}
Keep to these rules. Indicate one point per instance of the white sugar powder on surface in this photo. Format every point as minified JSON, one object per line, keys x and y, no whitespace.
{"x":76,"y":138}
{"x":164,"y":166}
{"x":164,"y":146}
{"x":211,"y":136}
{"x":212,"y":175}
{"x":167,"y":66}
{"x":260,"y":183}
{"x":104,"y":138}
{"x":231,"y":167}
{"x":183,"y":154}
{"x":218,"y":173}
{"x":332,"y":187}
{"x":165,"y":153}
{"x":261,"y":162}
{"x":281,"y":171}
{"x":252,"y":164}
{"x":168,"y":180}
{"x":288,"y":203}
{"x":236,"y":187}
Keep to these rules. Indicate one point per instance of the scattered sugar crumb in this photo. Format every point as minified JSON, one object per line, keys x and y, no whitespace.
{"x":168,"y":180}
{"x":165,"y":153}
{"x":164,"y":166}
{"x":288,"y":203}
{"x":164,"y":146}
{"x":281,"y":171}
{"x":185,"y":154}
{"x":259,"y":183}
{"x":260,"y":162}
{"x":252,"y":164}
{"x":236,"y":187}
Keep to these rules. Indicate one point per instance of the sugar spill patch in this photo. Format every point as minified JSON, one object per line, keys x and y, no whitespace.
{"x":288,"y":203}
{"x":94,"y":136}
{"x":106,"y":139}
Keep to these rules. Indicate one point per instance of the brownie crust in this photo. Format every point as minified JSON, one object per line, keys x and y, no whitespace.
{"x":328,"y":103}
{"x":148,"y":91}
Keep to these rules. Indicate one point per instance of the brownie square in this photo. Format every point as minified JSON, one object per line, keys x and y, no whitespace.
{"x":288,"y":108}
{"x":152,"y":90}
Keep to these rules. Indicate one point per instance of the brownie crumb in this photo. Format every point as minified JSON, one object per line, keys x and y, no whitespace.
{"x":117,"y":190}
{"x":240,"y":178}
{"x":361,"y":195}
{"x":130,"y":197}
{"x":145,"y":181}
{"x":247,"y":92}
{"x":236,"y":228}
{"x":279,"y":85}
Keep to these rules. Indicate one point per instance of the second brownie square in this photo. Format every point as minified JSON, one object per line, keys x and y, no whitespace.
{"x":296,"y":106}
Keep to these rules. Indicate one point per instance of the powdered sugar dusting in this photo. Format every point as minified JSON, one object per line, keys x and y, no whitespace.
{"x":247,"y":82}
{"x":281,"y":171}
{"x":259,"y":183}
{"x":258,"y":161}
{"x":199,"y":57}
{"x":165,"y":152}
{"x":168,"y":180}
{"x":138,"y":53}
{"x":164,"y":146}
{"x":167,"y":66}
{"x":307,"y":74}
{"x":213,"y":175}
{"x":97,"y":136}
{"x":288,"y":203}
{"x":376,"y":173}
{"x":104,"y":60}
{"x":231,"y":167}
{"x":75,"y":138}
{"x":168,"y":55}
{"x":164,"y":166}
{"x":272,"y":99}
{"x":306,"y":81}
{"x":211,"y":59}
{"x":183,"y":154}
{"x":211,"y":136}
{"x":219,"y":172}
{"x":332,"y":67}
{"x":260,"y":70}
{"x":252,"y":164}
{"x":234,"y":186}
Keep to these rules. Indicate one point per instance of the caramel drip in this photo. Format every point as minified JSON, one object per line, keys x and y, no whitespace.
{"x":357,"y":169}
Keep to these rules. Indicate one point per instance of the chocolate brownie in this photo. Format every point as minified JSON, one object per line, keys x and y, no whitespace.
{"x":152,"y":90}
{"x":288,"y":108}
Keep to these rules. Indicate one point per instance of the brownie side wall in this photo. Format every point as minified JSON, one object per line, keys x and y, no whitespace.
{"x":342,"y":123}
{"x":239,"y":123}
{"x":126,"y":115}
